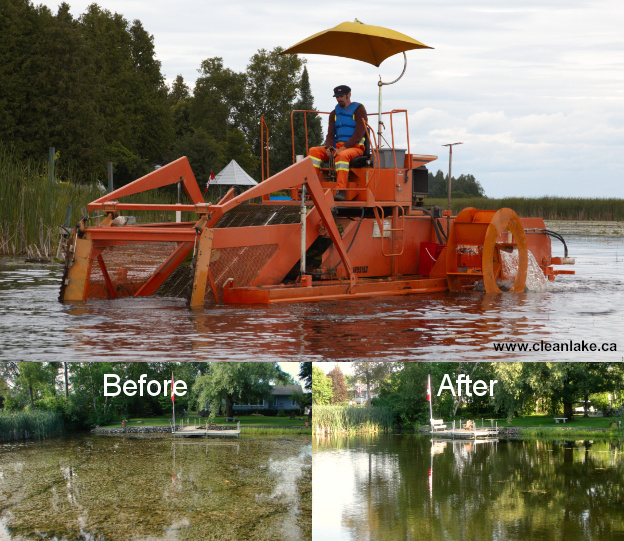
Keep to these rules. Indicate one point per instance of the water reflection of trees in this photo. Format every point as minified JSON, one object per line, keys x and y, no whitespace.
{"x":504,"y":490}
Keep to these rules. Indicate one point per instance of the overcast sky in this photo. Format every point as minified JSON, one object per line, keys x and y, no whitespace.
{"x":534,"y":90}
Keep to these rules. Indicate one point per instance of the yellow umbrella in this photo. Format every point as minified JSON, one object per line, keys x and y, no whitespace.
{"x":365,"y":42}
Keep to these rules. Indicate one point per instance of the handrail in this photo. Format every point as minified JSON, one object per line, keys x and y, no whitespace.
{"x":401,"y":227}
{"x":375,"y":152}
{"x":305,"y":123}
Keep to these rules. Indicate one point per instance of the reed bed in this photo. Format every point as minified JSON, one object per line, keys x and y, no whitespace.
{"x":15,"y":426}
{"x":548,"y":208}
{"x":33,"y":209}
{"x":349,"y":419}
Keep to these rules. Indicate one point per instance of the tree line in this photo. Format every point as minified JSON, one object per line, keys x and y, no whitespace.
{"x":461,"y":187}
{"x":92,"y":88}
{"x":76,"y":390}
{"x":522,"y":389}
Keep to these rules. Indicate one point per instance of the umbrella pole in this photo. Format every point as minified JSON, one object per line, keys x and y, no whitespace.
{"x":380,"y":84}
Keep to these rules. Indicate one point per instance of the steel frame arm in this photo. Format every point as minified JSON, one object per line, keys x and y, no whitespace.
{"x":172,"y":173}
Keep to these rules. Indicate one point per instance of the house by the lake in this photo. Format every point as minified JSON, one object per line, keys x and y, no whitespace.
{"x":281,"y":400}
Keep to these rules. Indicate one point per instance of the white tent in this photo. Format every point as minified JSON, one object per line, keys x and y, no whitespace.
{"x":233,"y":175}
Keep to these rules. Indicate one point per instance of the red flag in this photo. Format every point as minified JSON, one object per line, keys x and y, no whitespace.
{"x":172,"y":393}
{"x":428,"y":388}
{"x":212,"y":177}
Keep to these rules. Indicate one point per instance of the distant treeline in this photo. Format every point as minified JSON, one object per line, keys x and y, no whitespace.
{"x":462,"y":186}
{"x":549,"y":208}
{"x":92,"y":88}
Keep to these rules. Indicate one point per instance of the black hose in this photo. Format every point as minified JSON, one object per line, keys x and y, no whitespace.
{"x":436,"y":225}
{"x":553,"y":234}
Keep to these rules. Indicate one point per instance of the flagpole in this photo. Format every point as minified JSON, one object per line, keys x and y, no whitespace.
{"x":429,"y":396}
{"x":173,"y":401}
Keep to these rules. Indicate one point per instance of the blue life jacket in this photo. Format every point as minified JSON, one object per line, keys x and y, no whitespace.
{"x":344,"y":122}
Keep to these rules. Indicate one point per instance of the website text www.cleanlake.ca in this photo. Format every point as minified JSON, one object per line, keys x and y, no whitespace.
{"x":570,"y":345}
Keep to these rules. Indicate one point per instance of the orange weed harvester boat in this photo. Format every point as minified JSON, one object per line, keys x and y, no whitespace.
{"x":380,"y":241}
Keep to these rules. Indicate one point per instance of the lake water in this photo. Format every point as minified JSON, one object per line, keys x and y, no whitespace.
{"x":411,"y":487}
{"x":587,"y":307}
{"x":98,"y":487}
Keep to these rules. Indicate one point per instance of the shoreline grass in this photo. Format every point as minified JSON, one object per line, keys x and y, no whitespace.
{"x":23,"y":425}
{"x":246,"y":421}
{"x":548,"y":208}
{"x":569,"y":433}
{"x":34,"y":209}
{"x":350,"y":419}
{"x":275,"y":430}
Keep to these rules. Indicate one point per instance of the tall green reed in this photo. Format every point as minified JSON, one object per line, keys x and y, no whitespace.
{"x":22,"y":425}
{"x":32,"y":209}
{"x":349,"y":419}
{"x":549,"y":208}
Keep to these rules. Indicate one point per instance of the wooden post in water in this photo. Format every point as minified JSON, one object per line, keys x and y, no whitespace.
{"x":51,"y":156}
{"x":109,"y":169}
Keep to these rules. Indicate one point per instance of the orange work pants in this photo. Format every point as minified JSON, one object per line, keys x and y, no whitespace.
{"x":341,"y":159}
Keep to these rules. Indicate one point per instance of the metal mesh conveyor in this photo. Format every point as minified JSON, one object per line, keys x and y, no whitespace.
{"x":253,"y":215}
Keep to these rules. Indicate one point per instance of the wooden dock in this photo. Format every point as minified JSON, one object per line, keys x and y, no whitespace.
{"x":471,"y":433}
{"x":208,"y":430}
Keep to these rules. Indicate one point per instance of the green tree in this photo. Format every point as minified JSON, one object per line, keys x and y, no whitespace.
{"x":179,"y":91}
{"x":305,"y":373}
{"x":228,"y":106}
{"x":295,"y":129}
{"x":523,"y":387}
{"x":322,"y":389}
{"x":36,"y":378}
{"x":204,"y":152}
{"x":237,"y":383}
{"x":83,"y":86}
{"x":217,"y":99}
{"x":463,"y":186}
{"x":372,"y":373}
{"x":272,"y":83}
{"x":237,"y":148}
{"x":339,"y":388}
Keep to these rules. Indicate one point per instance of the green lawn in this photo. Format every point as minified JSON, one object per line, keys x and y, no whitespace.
{"x":548,"y":421}
{"x":246,"y":420}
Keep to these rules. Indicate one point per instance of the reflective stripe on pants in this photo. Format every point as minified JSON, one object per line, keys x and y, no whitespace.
{"x":342,"y":159}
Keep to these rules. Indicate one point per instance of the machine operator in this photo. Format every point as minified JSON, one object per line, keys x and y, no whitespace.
{"x":345,"y":138}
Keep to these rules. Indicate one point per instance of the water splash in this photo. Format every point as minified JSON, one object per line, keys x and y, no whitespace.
{"x":536,"y":281}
